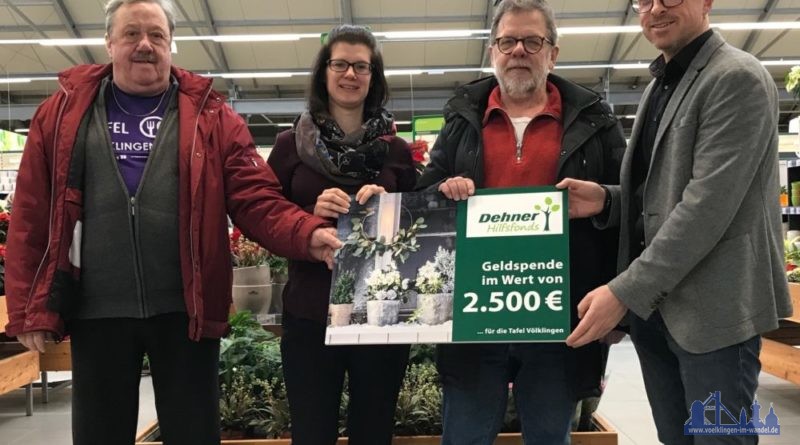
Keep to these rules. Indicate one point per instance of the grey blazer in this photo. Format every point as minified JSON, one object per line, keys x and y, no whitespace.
{"x":713,"y":262}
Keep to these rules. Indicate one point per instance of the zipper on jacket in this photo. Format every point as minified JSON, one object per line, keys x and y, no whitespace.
{"x":195,"y":267}
{"x":52,"y":196}
{"x":137,"y":266}
{"x":519,"y":152}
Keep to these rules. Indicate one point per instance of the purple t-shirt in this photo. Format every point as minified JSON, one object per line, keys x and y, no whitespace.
{"x":133,"y":122}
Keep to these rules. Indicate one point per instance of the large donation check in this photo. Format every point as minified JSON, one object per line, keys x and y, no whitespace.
{"x":400,"y":279}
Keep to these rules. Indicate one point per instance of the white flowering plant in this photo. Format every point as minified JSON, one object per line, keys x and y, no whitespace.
{"x":793,"y":82}
{"x":429,"y":280}
{"x":387,"y":284}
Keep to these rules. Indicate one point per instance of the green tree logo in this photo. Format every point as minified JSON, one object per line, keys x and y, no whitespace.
{"x":547,"y":210}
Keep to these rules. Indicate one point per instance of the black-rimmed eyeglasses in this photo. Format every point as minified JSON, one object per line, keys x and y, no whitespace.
{"x":643,"y":6}
{"x":341,"y":66}
{"x":532,"y":44}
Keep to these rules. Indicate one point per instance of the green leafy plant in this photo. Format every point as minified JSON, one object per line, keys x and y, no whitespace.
{"x":249,"y":366}
{"x":419,"y":403}
{"x":793,"y":82}
{"x":402,"y":245}
{"x":793,"y":276}
{"x":237,"y":403}
{"x":791,"y":253}
{"x":344,"y":288}
{"x":278,"y":266}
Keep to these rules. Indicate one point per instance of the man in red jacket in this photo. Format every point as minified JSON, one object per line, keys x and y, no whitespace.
{"x":120,"y":225}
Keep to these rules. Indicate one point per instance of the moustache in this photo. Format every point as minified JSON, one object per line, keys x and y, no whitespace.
{"x":144,"y":57}
{"x":662,"y":21}
{"x":519,"y":65}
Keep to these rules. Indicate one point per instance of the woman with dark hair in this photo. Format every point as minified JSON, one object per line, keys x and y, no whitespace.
{"x":344,"y":144}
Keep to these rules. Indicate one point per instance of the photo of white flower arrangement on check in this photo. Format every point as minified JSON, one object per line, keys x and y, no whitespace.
{"x":393,"y":279}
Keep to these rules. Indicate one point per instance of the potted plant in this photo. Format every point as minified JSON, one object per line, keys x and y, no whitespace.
{"x":793,"y":82}
{"x":252,"y":284}
{"x":433,"y":305}
{"x":341,"y":306}
{"x":251,"y":378}
{"x":279,"y":272}
{"x":253,"y":396}
{"x":791,"y":253}
{"x":278,"y":268}
{"x":385,"y":289}
{"x":793,"y":88}
{"x":434,"y":285}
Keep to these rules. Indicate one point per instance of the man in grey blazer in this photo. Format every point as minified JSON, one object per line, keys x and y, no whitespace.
{"x":700,"y":259}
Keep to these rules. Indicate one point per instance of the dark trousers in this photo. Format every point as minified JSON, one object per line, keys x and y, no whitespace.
{"x":314,"y":375}
{"x":475,"y":390}
{"x":106,"y":367}
{"x":674,"y":378}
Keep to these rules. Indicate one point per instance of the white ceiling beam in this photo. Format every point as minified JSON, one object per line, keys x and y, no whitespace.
{"x":769,"y":8}
{"x":35,"y":28}
{"x":346,"y":7}
{"x":66,"y":18}
{"x":329,"y":22}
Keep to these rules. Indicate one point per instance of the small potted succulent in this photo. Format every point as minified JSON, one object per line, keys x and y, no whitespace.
{"x":385,"y":289}
{"x":341,"y":306}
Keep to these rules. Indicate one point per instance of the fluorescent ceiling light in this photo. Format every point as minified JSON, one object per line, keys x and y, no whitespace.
{"x":756,"y":25}
{"x":780,"y":62}
{"x":272,"y":75}
{"x":615,"y":66}
{"x":432,"y":34}
{"x":259,"y":38}
{"x":16,"y":80}
{"x":579,"y":30}
{"x":22,"y":130}
{"x":401,"y":72}
{"x":71,"y":42}
{"x":17,"y":42}
{"x":285,"y":124}
{"x":407,"y":35}
{"x":402,"y":122}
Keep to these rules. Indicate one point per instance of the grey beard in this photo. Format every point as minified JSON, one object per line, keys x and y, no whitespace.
{"x":517,"y":88}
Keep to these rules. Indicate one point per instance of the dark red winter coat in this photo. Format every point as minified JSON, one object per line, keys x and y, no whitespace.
{"x":220,"y":174}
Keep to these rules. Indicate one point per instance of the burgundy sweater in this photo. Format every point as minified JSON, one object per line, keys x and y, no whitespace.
{"x":306,"y":295}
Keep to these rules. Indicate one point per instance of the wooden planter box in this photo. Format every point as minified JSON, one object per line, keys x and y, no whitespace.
{"x":779,"y":356}
{"x":56,"y":357}
{"x":605,"y":435}
{"x":18,"y":367}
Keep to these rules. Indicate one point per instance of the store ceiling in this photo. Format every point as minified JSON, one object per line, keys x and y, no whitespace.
{"x":266,"y":101}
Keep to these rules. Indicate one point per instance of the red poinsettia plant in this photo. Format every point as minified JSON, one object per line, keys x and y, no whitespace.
{"x":247,"y":253}
{"x":419,"y":154}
